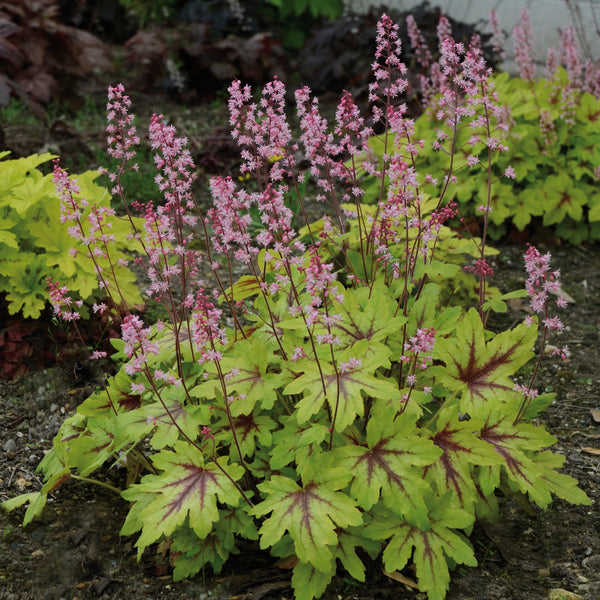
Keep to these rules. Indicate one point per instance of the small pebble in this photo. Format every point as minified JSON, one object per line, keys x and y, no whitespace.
{"x":9,"y":445}
{"x":560,"y":594}
{"x":53,"y":407}
{"x":543,"y":572}
{"x":592,"y":562}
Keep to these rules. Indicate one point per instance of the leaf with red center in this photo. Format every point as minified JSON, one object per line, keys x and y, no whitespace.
{"x":310,"y":514}
{"x":480,"y":371}
{"x":186,"y":487}
{"x":368,"y":314}
{"x":391,"y":466}
{"x":526,"y":468}
{"x":189,"y":553}
{"x":461,"y":448}
{"x":561,"y":198}
{"x":251,"y":431}
{"x":342,"y":390}
{"x":431,"y":550}
{"x":249,"y":381}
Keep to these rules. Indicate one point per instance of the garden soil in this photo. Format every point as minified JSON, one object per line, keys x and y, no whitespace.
{"x":74,"y":550}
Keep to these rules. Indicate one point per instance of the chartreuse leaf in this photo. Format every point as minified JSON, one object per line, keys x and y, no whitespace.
{"x":368,"y":313}
{"x":309,"y":582}
{"x":245,"y":287}
{"x":6,"y":236}
{"x":295,"y":442}
{"x":480,"y":371}
{"x":187,"y":487}
{"x":348,"y":541}
{"x":310,"y":513}
{"x":250,"y":431}
{"x":498,"y":304}
{"x":526,"y":468}
{"x":562,"y":485}
{"x":391,"y":465}
{"x":461,"y":449}
{"x":37,"y":500}
{"x":167,"y":419}
{"x":342,"y":390}
{"x":249,"y":381}
{"x":192,"y":553}
{"x":31,"y":228}
{"x":431,"y":550}
{"x":424,"y":311}
{"x":91,"y":449}
{"x":24,"y":284}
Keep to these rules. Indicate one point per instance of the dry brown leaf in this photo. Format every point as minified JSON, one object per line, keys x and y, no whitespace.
{"x":519,"y":304}
{"x":564,"y":295}
{"x":287,"y":563}
{"x":590,"y":450}
{"x":397,"y":576}
{"x":595,"y":412}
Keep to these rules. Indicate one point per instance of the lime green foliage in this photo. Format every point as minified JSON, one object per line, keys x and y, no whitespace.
{"x":555,"y":178}
{"x":34,"y":244}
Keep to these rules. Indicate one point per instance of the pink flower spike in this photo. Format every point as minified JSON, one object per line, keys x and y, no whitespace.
{"x":524,"y":50}
{"x":121,"y":133}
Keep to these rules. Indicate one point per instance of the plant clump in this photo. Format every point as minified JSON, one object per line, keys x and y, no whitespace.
{"x":334,"y":402}
{"x":549,"y":170}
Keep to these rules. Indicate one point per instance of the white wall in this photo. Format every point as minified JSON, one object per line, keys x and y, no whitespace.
{"x":546,"y":16}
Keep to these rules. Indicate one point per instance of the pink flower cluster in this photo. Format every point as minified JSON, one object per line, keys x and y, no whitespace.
{"x":421,"y":343}
{"x":62,"y":304}
{"x":168,"y":227}
{"x":138,"y":344}
{"x":319,"y":277}
{"x":122,"y":136}
{"x":389,"y":70}
{"x":207,"y":333}
{"x":523,"y":45}
{"x":262,"y":132}
{"x":121,"y":133}
{"x":541,"y":282}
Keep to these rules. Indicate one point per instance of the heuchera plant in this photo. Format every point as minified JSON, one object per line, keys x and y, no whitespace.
{"x":551,"y":161}
{"x":327,"y":403}
{"x":35,"y":242}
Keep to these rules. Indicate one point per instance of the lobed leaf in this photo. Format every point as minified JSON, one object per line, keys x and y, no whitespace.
{"x":480,"y":371}
{"x":431,"y":550}
{"x":310,"y":514}
{"x":186,"y":488}
{"x":461,"y":449}
{"x":321,"y":382}
{"x":391,"y":466}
